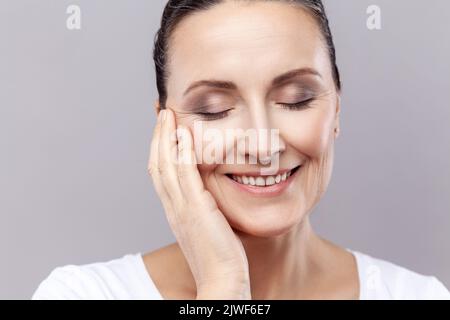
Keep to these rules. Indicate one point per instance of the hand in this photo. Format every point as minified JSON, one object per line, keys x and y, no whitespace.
{"x":215,"y":254}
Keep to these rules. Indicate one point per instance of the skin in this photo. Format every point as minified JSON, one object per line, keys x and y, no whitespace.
{"x":231,"y":244}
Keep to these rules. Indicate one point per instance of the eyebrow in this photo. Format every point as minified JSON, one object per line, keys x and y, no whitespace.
{"x":219,"y":84}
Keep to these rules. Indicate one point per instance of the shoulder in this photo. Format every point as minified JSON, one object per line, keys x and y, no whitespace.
{"x":381,"y":279}
{"x":170,"y":272}
{"x":122,"y":278}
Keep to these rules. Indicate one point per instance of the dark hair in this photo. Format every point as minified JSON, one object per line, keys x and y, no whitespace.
{"x":176,"y":10}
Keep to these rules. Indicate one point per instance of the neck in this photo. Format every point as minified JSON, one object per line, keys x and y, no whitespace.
{"x":280,"y":265}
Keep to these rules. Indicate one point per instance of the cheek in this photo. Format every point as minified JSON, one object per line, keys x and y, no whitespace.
{"x":311,"y":135}
{"x":309,"y":132}
{"x":206,"y":173}
{"x":205,"y":168}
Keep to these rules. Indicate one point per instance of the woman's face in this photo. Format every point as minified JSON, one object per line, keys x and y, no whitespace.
{"x":271,"y":71}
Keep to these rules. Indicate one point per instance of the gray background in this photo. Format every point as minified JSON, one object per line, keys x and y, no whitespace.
{"x":76,"y":118}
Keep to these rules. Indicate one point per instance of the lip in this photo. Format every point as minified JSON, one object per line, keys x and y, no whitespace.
{"x":268,"y":191}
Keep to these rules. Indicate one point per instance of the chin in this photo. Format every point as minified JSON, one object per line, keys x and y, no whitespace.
{"x":264,"y":222}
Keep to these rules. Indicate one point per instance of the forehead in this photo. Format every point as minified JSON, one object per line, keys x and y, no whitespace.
{"x":248,"y":44}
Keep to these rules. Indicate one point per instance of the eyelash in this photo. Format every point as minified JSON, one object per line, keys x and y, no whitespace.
{"x":298,"y":105}
{"x":210,"y":116}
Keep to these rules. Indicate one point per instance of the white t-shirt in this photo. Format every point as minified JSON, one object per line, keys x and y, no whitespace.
{"x":127,"y":278}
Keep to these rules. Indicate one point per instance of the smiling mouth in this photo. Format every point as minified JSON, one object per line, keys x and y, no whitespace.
{"x":262,"y":181}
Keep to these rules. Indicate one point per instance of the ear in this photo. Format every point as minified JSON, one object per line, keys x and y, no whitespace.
{"x":157,"y":107}
{"x":337,"y":127}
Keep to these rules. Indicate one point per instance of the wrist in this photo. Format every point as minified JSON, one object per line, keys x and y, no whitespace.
{"x":225,"y":286}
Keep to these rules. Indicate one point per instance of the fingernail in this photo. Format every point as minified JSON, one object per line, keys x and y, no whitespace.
{"x":164,"y":116}
{"x":160,"y":115}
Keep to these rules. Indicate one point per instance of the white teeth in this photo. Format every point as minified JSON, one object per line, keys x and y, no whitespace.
{"x":270,"y":181}
{"x":278,"y":178}
{"x":259,"y":181}
{"x":262,"y":181}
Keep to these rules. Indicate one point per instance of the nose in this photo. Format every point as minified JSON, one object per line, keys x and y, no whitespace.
{"x":264,"y":143}
{"x":266,"y":148}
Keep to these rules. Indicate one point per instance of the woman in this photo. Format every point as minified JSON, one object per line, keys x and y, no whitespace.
{"x":243,"y":229}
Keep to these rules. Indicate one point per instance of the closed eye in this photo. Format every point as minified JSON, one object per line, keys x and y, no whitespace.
{"x":209,"y":116}
{"x":297,"y":105}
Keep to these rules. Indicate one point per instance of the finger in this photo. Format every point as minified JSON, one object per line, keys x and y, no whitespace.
{"x":188,"y":175}
{"x":167,"y":156}
{"x":153,"y":160}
